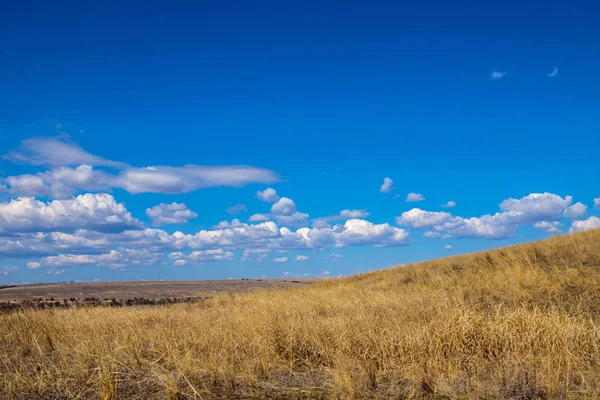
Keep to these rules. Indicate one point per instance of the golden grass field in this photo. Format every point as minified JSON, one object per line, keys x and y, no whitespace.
{"x":520,"y":323}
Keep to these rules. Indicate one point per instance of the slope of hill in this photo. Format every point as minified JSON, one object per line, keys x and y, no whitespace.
{"x":520,"y":322}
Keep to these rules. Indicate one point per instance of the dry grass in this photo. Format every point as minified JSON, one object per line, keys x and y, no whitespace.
{"x":521,"y":322}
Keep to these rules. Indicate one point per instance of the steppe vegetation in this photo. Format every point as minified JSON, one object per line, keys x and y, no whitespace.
{"x":520,"y":322}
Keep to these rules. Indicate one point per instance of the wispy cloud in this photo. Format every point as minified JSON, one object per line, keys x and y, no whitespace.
{"x":553,"y":73}
{"x":237,"y":209}
{"x":62,"y":180}
{"x":498,"y":75}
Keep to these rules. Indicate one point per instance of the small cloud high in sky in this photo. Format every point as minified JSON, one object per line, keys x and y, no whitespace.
{"x":553,"y":73}
{"x":498,"y":75}
{"x":222,"y":141}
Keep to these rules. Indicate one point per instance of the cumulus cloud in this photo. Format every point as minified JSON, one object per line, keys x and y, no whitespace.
{"x":418,"y":219}
{"x":296,"y":218}
{"x":237,"y":209}
{"x":576,"y":211}
{"x":431,"y":234}
{"x":301,"y":258}
{"x":498,"y":75}
{"x":325,"y":222}
{"x":597,"y":203}
{"x":349,"y":214}
{"x":386,"y":187}
{"x":414,"y":197}
{"x":174,"y":213}
{"x":259,"y":218}
{"x":585,"y":225}
{"x":201,"y":257}
{"x":448,"y":247}
{"x":548,"y":226}
{"x":116,"y":259}
{"x":280,"y":260}
{"x":235,"y":223}
{"x":285,"y":212}
{"x":284,"y":206}
{"x":535,"y":207}
{"x":269,"y":195}
{"x":449,"y":204}
{"x":235,"y":236}
{"x":96,"y":212}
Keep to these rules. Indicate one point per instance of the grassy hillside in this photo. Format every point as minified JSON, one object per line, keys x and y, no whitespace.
{"x":521,"y":322}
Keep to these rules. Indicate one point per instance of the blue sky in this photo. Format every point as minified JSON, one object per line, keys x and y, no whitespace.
{"x":112,"y":113}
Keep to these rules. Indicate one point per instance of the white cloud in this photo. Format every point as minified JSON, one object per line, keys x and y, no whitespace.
{"x":449,"y":204}
{"x":284,"y":206}
{"x":553,"y":73}
{"x":237,"y":209}
{"x":175,"y":213}
{"x":8,"y":269}
{"x":576,"y":211}
{"x":597,"y":203}
{"x":530,"y":209}
{"x":56,"y":152}
{"x":537,"y":207}
{"x":269,"y":195}
{"x":448,"y":247}
{"x":414,"y":197}
{"x":97,"y":212}
{"x":165,"y":179}
{"x":418,"y":219}
{"x":280,"y":260}
{"x":498,"y":75}
{"x":325,"y":222}
{"x":296,"y":218}
{"x":259,"y":218}
{"x":497,"y":226}
{"x":285,"y":212}
{"x":386,"y":187}
{"x":301,"y":258}
{"x":260,"y":252}
{"x":349,"y":214}
{"x":548,"y":226}
{"x":334,"y":257}
{"x":55,"y":271}
{"x":235,"y":223}
{"x":33,"y":265}
{"x":116,"y":259}
{"x":237,"y":236}
{"x":362,"y":232}
{"x":201,"y":257}
{"x":62,"y":181}
{"x":431,"y":234}
{"x":585,"y":225}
